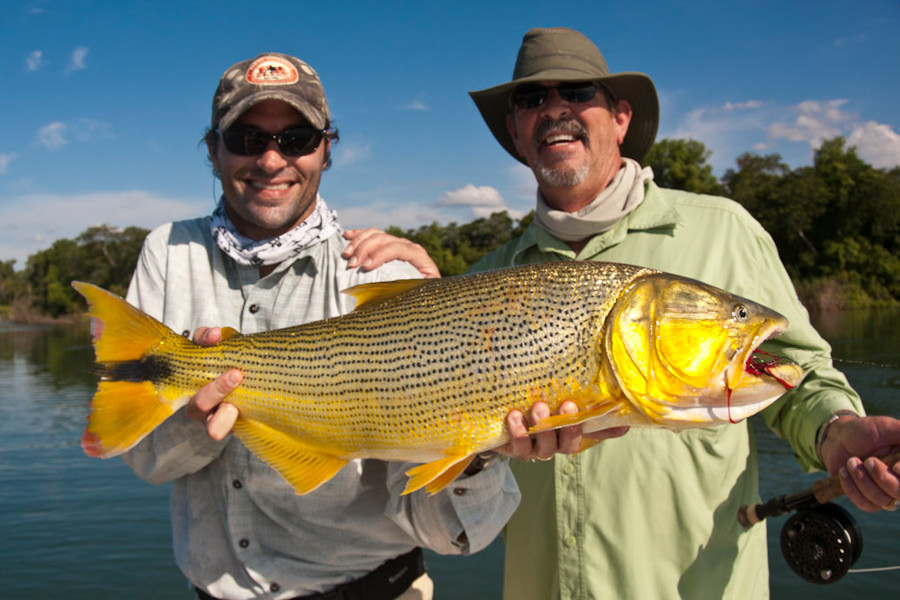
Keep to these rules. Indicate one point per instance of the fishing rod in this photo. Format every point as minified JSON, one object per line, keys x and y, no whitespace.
{"x":822,"y":540}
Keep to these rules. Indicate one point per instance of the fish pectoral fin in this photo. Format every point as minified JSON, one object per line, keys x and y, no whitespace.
{"x":301,"y":465}
{"x":228,"y":333}
{"x":438,"y":474}
{"x":122,"y":414}
{"x":587,"y":442}
{"x":556,"y":421}
{"x":370,"y":294}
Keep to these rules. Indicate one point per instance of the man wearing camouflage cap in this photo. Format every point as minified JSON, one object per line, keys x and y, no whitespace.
{"x":652,"y":514}
{"x":271,"y":255}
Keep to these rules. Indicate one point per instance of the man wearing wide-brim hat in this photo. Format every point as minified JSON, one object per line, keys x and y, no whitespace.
{"x":650,"y":514}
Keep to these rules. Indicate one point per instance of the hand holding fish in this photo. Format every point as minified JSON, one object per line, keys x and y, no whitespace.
{"x":870,"y":484}
{"x":543,"y":445}
{"x":208,"y":405}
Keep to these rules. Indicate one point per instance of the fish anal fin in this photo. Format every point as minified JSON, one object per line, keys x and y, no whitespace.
{"x":437,"y":474}
{"x":122,"y":414}
{"x":371,"y":294}
{"x":304,"y":467}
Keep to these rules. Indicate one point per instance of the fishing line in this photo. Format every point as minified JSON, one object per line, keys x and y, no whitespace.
{"x":865,"y":363}
{"x":875,"y":570}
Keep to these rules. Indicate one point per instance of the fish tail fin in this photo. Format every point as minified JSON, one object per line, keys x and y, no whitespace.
{"x":438,"y":474}
{"x":127,"y":406}
{"x":122,"y":414}
{"x":120,"y":331}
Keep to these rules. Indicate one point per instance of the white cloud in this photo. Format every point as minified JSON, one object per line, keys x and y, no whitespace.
{"x":5,"y":159}
{"x":53,"y":136}
{"x":859,"y":38}
{"x":57,"y":134}
{"x":877,"y":144}
{"x":481,"y":200}
{"x":350,"y":153}
{"x":794,"y":132}
{"x":77,"y":60}
{"x":815,"y":122}
{"x":417,"y":104}
{"x":32,"y":222}
{"x":88,"y":130}
{"x":34,"y":60}
{"x":748,"y":105}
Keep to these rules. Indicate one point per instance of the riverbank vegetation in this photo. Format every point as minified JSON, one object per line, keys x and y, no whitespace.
{"x":836,"y":224}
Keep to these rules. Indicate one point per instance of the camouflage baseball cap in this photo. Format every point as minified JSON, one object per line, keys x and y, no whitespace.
{"x":269,"y":76}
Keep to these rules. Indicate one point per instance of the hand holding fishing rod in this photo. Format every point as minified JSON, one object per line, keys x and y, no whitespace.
{"x":822,"y":491}
{"x":822,"y":540}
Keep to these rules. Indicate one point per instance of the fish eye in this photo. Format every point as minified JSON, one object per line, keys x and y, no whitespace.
{"x":740,"y":312}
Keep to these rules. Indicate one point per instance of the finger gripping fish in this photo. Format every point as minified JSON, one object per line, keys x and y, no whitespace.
{"x":426,"y":371}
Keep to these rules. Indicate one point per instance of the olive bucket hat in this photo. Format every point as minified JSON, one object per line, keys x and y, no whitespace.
{"x":563,"y":54}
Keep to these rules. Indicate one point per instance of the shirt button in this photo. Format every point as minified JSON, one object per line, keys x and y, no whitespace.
{"x":237,"y":484}
{"x":459,"y":491}
{"x":244,"y":543}
{"x":186,"y":333}
{"x":274,"y":587}
{"x":569,"y":468}
{"x":254,"y":308}
{"x":571,"y":541}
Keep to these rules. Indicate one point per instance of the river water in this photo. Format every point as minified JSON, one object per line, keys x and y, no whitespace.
{"x":80,"y":528}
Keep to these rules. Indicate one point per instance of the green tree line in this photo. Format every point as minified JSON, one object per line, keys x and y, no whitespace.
{"x":836,"y":224}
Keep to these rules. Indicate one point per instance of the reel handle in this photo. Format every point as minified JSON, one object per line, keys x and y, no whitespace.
{"x":822,"y":491}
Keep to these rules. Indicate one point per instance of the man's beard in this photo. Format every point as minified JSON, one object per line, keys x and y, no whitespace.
{"x":560,"y":175}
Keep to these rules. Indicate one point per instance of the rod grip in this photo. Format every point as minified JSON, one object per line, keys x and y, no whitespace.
{"x":826,"y":490}
{"x":823,"y":490}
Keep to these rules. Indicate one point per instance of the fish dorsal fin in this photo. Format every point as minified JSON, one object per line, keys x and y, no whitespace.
{"x":302,"y":466}
{"x":436,"y":475}
{"x":370,"y":294}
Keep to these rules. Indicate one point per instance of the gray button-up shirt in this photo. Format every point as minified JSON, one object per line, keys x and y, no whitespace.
{"x":239,"y":529}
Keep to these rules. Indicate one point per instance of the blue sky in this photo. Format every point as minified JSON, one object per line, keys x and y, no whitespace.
{"x":104,"y":103}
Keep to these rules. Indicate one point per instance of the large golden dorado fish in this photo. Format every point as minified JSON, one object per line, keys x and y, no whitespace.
{"x":426,"y":370}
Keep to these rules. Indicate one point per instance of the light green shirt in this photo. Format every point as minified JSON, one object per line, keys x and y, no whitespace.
{"x":653,"y":514}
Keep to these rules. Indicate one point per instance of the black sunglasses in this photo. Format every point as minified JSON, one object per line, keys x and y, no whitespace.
{"x":531,"y":95}
{"x":293,"y":141}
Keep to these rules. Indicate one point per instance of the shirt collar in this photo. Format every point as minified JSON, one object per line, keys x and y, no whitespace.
{"x":656,"y":212}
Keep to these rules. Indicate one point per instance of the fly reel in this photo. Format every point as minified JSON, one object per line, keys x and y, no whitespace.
{"x":821,"y":543}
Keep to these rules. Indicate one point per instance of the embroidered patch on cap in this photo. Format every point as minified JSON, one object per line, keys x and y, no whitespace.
{"x":272,"y":70}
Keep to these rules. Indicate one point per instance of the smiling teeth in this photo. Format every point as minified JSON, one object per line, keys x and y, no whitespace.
{"x":271,"y":186}
{"x":554,"y":139}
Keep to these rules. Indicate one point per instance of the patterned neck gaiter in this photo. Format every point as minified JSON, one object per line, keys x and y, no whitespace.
{"x":320,"y":225}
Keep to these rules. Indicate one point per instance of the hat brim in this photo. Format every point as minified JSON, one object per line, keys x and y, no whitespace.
{"x":309,"y":112}
{"x":636,"y":88}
